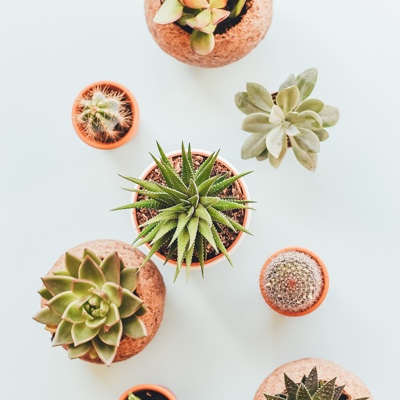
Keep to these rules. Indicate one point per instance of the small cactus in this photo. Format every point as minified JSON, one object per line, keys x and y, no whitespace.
{"x":91,"y":305}
{"x":104,"y":114}
{"x":310,"y":388}
{"x":292,"y":282}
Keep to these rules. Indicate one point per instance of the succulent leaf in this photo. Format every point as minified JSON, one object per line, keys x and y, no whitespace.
{"x":310,"y":104}
{"x":63,"y":334}
{"x":105,"y":352}
{"x":329,"y":116}
{"x":311,"y":382}
{"x":112,"y":336}
{"x":303,"y":394}
{"x":287,"y":99}
{"x":326,"y":391}
{"x":91,"y":272}
{"x":200,"y":42}
{"x":306,"y":159}
{"x":92,"y":255}
{"x":59,"y":303}
{"x":57,"y":284}
{"x":81,"y":287}
{"x":111,"y":268}
{"x":259,"y":96}
{"x":47,"y":316}
{"x":82,"y":333}
{"x":306,"y":82}
{"x":72,"y":264}
{"x":170,"y":11}
{"x":134,"y":327}
{"x":130,"y":304}
{"x":73,"y":313}
{"x":308,"y":141}
{"x":129,"y":277}
{"x":257,"y":123}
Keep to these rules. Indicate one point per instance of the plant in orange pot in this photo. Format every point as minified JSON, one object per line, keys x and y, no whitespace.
{"x":105,"y":115}
{"x":312,"y":379}
{"x":190,"y":208}
{"x":98,"y":305}
{"x":208,"y":33}
{"x":147,"y":392}
{"x":294,"y":281}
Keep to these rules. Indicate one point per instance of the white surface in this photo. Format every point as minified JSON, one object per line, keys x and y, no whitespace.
{"x":218,"y":339}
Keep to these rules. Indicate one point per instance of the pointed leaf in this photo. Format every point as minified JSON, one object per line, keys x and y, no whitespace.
{"x":148,"y":185}
{"x":182,"y":222}
{"x":192,"y":230}
{"x":165,"y":228}
{"x":205,"y":230}
{"x":113,"y":315}
{"x":152,"y":204}
{"x":287,"y":99}
{"x":203,"y":214}
{"x":92,"y":255}
{"x":114,"y":293}
{"x":220,"y":245}
{"x":81,"y":333}
{"x":45,"y":293}
{"x":291,"y":388}
{"x":183,"y":240}
{"x":91,"y":272}
{"x":96,"y":322}
{"x":302,"y":393}
{"x":73,"y":313}
{"x":47,"y":316}
{"x":218,"y":188}
{"x":79,"y":351}
{"x":187,"y":168}
{"x":200,"y":250}
{"x":205,"y":169}
{"x":105,"y":352}
{"x":63,"y":334}
{"x":170,"y":11}
{"x":326,"y":391}
{"x":338,"y":392}
{"x":111,"y":268}
{"x":311,"y":382}
{"x":129,"y":277}
{"x":288,"y":82}
{"x":220,"y":217}
{"x":113,"y":335}
{"x":81,"y":287}
{"x":60,"y":302}
{"x":58,"y":284}
{"x":206,"y":185}
{"x":218,"y":16}
{"x":134,"y":327}
{"x":72,"y":264}
{"x":203,"y":18}
{"x":130,"y":303}
{"x":306,"y":82}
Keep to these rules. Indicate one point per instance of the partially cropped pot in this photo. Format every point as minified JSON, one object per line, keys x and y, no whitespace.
{"x":230,"y":46}
{"x":239,"y":187}
{"x":149,"y":392}
{"x":274,"y":384}
{"x":150,"y":288}
{"x":126,"y":133}
{"x":294,"y":281}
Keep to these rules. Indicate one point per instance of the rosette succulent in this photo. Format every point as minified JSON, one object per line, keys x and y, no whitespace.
{"x":190,"y":209}
{"x":202,"y":16}
{"x":285,"y":119}
{"x":311,"y":388}
{"x":103,"y":113}
{"x":90,"y":305}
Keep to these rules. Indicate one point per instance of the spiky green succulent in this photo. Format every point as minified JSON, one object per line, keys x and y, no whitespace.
{"x":288,"y":118}
{"x":202,"y":16}
{"x":103,"y":113}
{"x":91,"y":304}
{"x":190,"y":209}
{"x":310,"y":388}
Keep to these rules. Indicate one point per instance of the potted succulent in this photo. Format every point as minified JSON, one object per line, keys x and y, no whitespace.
{"x":147,"y":392}
{"x":190,"y":208}
{"x":285,"y":119}
{"x":312,"y":379}
{"x":98,"y":305}
{"x":294,"y":281}
{"x":105,"y":115}
{"x":208,"y":33}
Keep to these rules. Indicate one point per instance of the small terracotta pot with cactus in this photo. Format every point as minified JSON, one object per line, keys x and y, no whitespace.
{"x":286,"y":119}
{"x":294,"y":281}
{"x":105,"y":115}
{"x":99,"y":305}
{"x":312,"y":379}
{"x":147,"y":392}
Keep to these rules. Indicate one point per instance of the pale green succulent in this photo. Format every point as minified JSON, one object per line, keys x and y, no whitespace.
{"x":202,"y":16}
{"x":310,"y":388}
{"x":190,"y":209}
{"x":285,"y":119}
{"x":131,"y":396}
{"x":91,"y":304}
{"x":103,"y":113}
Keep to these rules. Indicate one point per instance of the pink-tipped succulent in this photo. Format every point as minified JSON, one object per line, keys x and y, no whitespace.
{"x":91,"y":305}
{"x":202,"y":16}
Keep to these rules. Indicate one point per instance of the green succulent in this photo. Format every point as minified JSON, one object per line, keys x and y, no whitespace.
{"x":91,"y":304}
{"x":190,"y":209}
{"x":285,"y":119}
{"x":310,"y":388}
{"x":101,"y":111}
{"x":131,"y":396}
{"x":202,"y":16}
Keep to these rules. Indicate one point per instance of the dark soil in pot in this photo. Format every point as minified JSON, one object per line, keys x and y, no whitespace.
{"x":150,"y":395}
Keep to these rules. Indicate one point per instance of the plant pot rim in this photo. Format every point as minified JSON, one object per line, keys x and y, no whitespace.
{"x":231,"y":46}
{"x":324,"y":273}
{"x":148,"y":386}
{"x":135,"y":116}
{"x":274,"y":382}
{"x":219,"y":257}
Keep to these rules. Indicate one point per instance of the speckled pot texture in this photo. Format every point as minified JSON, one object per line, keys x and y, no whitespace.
{"x":274,"y":383}
{"x":150,"y":288}
{"x":230,"y":46}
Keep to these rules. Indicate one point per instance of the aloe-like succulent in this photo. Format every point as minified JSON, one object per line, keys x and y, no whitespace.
{"x":285,"y":119}
{"x":310,"y":388}
{"x":293,"y":281}
{"x":202,"y":16}
{"x":104,"y":113}
{"x":91,"y":304}
{"x":190,"y":209}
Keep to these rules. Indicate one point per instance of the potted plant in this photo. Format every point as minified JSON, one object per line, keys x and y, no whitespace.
{"x":285,"y":119}
{"x":208,"y":33}
{"x":98,"y":305}
{"x":190,"y":208}
{"x":294,"y":281}
{"x":147,"y":392}
{"x":326,"y":381}
{"x":105,"y":115}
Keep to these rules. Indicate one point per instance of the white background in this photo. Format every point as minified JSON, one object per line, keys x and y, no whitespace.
{"x":218,"y":339}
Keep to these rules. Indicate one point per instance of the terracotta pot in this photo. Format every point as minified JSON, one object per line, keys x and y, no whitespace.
{"x":318,"y":301}
{"x":220,"y":257}
{"x":155,"y":388}
{"x":150,"y":289}
{"x":135,"y":116}
{"x":230,"y":46}
{"x":327,"y":370}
